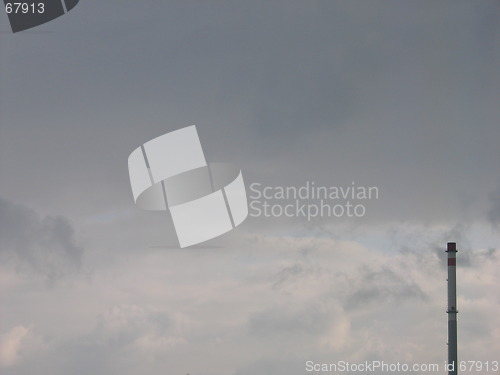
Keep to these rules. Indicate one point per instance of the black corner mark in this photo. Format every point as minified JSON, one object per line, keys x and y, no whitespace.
{"x":26,"y":14}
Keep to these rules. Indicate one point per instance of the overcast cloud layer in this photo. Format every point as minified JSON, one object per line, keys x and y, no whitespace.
{"x":402,"y":96}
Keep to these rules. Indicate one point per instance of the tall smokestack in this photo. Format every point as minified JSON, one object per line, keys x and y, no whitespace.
{"x":452,"y":308}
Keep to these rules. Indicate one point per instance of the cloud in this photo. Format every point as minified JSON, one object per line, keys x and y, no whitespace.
{"x":11,"y":344}
{"x":383,"y":285}
{"x":493,"y":213}
{"x":276,"y":366}
{"x":123,"y":339}
{"x":339,"y":300}
{"x":468,"y":254}
{"x":42,"y":246}
{"x":273,"y":322}
{"x":401,"y":96}
{"x":126,"y":325}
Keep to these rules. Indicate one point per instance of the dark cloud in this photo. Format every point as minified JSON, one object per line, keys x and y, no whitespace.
{"x":382,"y":286}
{"x":493,"y":213}
{"x":46,"y":246}
{"x":289,"y":274}
{"x":361,"y":283}
{"x":278,"y":322}
{"x":468,"y":255}
{"x":304,"y":90}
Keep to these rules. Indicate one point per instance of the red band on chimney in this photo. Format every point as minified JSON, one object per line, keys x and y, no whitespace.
{"x":452,"y":262}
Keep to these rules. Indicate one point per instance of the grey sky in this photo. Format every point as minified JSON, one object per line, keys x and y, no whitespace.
{"x":398,"y":95}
